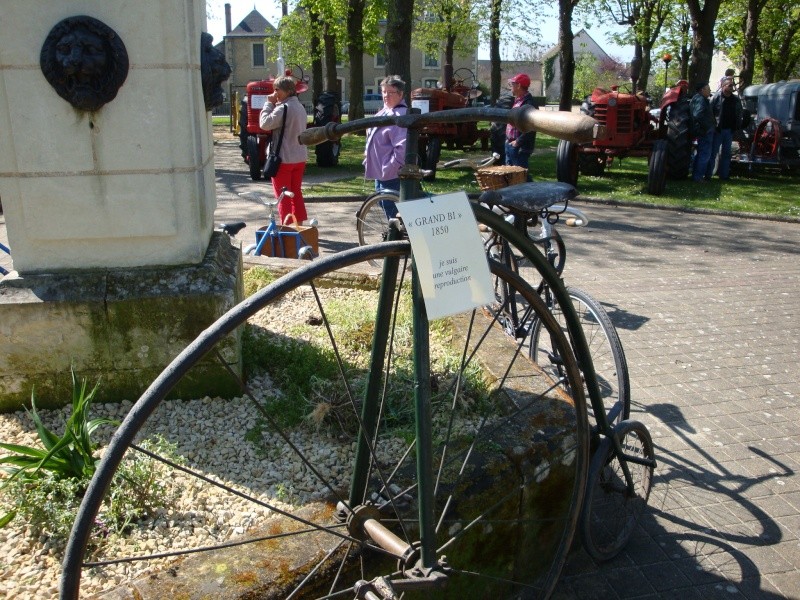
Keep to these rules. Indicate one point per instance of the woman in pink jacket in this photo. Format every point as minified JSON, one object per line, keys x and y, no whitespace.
{"x":385,"y":151}
{"x":293,"y":154}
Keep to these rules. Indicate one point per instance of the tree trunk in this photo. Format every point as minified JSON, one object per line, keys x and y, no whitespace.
{"x":494,"y":50}
{"x":754,"y":8}
{"x":703,"y":40}
{"x":565,"y":54}
{"x":398,"y":42}
{"x":316,"y":61}
{"x":355,"y":53}
{"x":331,"y":80}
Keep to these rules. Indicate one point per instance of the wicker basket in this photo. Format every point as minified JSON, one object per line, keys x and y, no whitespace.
{"x":494,"y":178}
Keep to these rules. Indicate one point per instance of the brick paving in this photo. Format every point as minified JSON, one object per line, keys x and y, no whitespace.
{"x":708,"y":310}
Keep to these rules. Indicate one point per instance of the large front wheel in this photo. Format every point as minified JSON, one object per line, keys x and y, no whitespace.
{"x":287,"y":487}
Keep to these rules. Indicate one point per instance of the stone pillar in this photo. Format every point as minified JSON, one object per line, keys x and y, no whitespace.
{"x":128,"y":185}
{"x":109,"y":187}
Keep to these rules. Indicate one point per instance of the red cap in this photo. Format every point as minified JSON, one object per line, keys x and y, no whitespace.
{"x":521,"y":79}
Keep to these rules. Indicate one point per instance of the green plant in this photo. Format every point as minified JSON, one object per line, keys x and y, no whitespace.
{"x":69,"y":456}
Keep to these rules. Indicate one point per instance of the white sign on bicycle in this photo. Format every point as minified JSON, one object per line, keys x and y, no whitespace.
{"x":449,"y":254}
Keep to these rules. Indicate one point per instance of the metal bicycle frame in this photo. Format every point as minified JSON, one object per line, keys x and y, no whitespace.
{"x":410,"y":189}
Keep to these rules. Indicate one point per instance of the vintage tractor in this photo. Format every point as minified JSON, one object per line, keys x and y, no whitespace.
{"x":252,"y":139}
{"x":632,"y":130}
{"x":771,"y":134}
{"x":457,"y":93}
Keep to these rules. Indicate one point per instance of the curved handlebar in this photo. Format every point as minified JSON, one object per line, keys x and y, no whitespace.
{"x":564,"y":125}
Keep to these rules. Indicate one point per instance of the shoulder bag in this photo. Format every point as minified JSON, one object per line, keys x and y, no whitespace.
{"x":273,"y":160}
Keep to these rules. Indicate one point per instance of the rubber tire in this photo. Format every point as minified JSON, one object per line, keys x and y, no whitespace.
{"x":657,"y":171}
{"x":567,"y":162}
{"x":243,"y":129}
{"x":372,"y":226}
{"x":609,"y":517}
{"x":497,"y":519}
{"x":253,"y":158}
{"x":679,"y":140}
{"x":432,"y":154}
{"x":605,"y":348}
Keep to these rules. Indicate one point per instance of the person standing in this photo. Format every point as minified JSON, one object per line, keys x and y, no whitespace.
{"x":385,"y":149}
{"x":519,"y":146}
{"x":703,"y":129}
{"x":727,"y":110}
{"x":294,"y":155}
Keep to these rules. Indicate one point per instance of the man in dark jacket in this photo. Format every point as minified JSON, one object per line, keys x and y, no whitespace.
{"x":519,"y":146}
{"x":727,"y":110}
{"x":703,"y":126}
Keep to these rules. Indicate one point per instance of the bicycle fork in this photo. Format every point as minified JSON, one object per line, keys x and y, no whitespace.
{"x":418,"y":561}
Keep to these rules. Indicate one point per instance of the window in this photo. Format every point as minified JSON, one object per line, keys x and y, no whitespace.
{"x":431,"y":61}
{"x":258,"y":55}
{"x":380,"y":59}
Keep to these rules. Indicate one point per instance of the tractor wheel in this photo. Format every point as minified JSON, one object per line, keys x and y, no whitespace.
{"x":243,"y":129}
{"x":433,"y":152}
{"x":679,"y":141}
{"x":567,"y":162}
{"x":656,"y":175}
{"x":253,"y":158}
{"x":767,"y":138}
{"x":592,"y":164}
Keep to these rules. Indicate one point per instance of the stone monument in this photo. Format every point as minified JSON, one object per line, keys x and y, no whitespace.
{"x":107,"y":184}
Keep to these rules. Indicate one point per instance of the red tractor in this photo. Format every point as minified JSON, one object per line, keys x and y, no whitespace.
{"x":633,"y":130}
{"x":252,"y":139}
{"x":457,"y":94}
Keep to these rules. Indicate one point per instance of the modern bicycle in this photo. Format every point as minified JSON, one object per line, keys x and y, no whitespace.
{"x":5,"y":250}
{"x":534,"y":208}
{"x":272,"y":239}
{"x":404,"y":509}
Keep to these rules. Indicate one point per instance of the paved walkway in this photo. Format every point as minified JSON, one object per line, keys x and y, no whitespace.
{"x":708,"y":309}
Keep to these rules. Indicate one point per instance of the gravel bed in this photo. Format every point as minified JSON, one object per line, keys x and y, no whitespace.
{"x":210,"y":436}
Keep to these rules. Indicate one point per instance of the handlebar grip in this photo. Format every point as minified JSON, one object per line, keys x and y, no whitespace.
{"x":563,"y":125}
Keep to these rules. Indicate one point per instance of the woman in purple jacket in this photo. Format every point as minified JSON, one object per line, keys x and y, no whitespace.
{"x":385,"y":151}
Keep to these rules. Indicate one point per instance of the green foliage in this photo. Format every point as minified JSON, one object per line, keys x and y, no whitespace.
{"x":68,"y":455}
{"x":48,"y":505}
{"x":45,"y":484}
{"x":760,"y":191}
{"x":256,"y":279}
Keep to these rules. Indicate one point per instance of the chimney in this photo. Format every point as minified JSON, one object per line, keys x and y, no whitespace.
{"x":227,"y":18}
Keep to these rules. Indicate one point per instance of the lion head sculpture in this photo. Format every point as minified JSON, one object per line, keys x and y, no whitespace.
{"x":85,"y":61}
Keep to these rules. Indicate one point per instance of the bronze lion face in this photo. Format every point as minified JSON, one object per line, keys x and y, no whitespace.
{"x":85,"y":61}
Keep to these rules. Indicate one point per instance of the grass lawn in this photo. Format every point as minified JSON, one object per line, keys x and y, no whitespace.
{"x":761,"y":191}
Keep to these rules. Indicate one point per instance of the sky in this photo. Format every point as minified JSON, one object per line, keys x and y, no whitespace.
{"x":271,"y":10}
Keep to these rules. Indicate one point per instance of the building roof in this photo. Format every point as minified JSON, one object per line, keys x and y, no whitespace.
{"x":253,"y":24}
{"x":578,"y":40}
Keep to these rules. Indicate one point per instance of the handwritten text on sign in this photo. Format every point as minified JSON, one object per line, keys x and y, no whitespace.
{"x":448,"y":251}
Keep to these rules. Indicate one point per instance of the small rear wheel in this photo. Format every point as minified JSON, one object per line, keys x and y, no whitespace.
{"x":610,"y":511}
{"x":253,"y":158}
